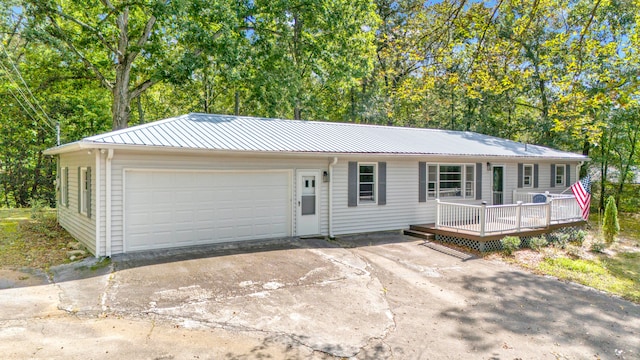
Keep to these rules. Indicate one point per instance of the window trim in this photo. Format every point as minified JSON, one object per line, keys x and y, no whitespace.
{"x":564,"y":175}
{"x":374,"y":184}
{"x":524,"y":176}
{"x":463,"y":181}
{"x":84,"y":187}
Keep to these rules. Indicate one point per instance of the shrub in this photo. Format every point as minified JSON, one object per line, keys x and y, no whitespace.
{"x":598,"y":247}
{"x":579,"y":236}
{"x":510,"y":244}
{"x":538,"y":243}
{"x":610,"y":226}
{"x":562,"y":240}
{"x":574,"y":251}
{"x":37,"y":208}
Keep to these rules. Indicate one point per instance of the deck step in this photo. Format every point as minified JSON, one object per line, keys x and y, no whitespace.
{"x":449,"y":251}
{"x":420,"y":234}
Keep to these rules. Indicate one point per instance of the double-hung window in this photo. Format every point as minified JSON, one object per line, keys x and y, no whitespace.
{"x":64,"y":186}
{"x":84,"y":191}
{"x":367,"y":183}
{"x":559,"y":181}
{"x":527,"y":178}
{"x":451,"y":181}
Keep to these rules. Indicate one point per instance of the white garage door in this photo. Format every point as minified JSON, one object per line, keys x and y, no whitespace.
{"x":177,"y":208}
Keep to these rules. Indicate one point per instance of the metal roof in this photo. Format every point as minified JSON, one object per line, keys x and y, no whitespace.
{"x":251,"y":134}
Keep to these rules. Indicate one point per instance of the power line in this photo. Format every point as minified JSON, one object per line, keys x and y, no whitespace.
{"x":4,"y":49}
{"x":24,"y":97}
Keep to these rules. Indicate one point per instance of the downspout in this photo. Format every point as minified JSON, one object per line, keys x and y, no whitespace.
{"x":108,"y":197}
{"x":334,"y":162}
{"x":98,"y":204}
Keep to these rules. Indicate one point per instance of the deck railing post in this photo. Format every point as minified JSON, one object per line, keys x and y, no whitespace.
{"x":518,"y":215}
{"x":437,"y":213}
{"x":483,"y":217}
{"x":549,"y":205}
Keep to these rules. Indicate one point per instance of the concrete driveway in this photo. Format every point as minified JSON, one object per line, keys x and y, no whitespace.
{"x":375,"y":296}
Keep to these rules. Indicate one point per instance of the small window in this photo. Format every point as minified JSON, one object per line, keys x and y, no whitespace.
{"x":85,"y":188}
{"x":470,"y":181}
{"x":560,"y":175}
{"x":367,"y":182}
{"x":527,"y":178}
{"x":432,"y":182}
{"x":64,"y":186}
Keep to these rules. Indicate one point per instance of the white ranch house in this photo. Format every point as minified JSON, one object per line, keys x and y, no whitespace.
{"x":201,"y":179}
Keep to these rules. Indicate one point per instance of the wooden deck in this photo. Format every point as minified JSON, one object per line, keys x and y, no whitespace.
{"x":471,"y":231}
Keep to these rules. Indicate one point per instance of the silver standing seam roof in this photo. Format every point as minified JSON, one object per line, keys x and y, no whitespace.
{"x":251,"y":134}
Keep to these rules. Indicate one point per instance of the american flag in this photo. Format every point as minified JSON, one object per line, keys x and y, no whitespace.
{"x":582,"y":191}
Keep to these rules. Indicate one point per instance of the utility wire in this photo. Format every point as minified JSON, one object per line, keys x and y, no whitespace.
{"x":23,"y":95}
{"x":51,"y":123}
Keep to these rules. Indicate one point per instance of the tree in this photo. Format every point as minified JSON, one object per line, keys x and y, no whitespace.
{"x":130,"y":46}
{"x":610,"y":226}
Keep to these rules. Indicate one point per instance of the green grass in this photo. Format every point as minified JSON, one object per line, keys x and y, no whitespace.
{"x":599,"y":274}
{"x":32,"y":239}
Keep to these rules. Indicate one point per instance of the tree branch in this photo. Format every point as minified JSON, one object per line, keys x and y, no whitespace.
{"x":140,"y":88}
{"x":60,"y":35}
{"x":85,"y":26}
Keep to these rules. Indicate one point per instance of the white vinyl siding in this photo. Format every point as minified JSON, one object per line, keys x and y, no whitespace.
{"x":79,"y":226}
{"x":206,"y":162}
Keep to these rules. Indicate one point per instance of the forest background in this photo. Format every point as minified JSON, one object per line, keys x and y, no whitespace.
{"x":556,"y":73}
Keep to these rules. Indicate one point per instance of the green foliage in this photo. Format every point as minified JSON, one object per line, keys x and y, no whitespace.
{"x":617,"y":279}
{"x":510,"y":244}
{"x":537,"y":243}
{"x":610,"y":224}
{"x":561,"y":240}
{"x":598,"y":247}
{"x":578,"y":237}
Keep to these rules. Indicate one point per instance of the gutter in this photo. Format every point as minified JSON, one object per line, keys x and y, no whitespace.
{"x":108,"y":198}
{"x":331,"y":164}
{"x":84,"y":145}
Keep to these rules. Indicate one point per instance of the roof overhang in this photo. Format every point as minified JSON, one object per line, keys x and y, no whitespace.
{"x":90,"y":145}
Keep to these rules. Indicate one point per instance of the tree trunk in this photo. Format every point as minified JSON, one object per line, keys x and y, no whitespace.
{"x":236,"y":107}
{"x":140,"y":111}
{"x":121,"y":108}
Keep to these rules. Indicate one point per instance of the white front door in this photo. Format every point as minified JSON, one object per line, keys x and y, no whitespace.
{"x":307,"y":203}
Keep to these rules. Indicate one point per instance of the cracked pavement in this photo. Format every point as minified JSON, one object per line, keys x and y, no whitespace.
{"x":375,"y":296}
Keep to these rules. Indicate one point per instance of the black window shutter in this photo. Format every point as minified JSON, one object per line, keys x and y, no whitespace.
{"x":353,"y":183}
{"x":66,"y":186}
{"x":79,"y":188}
{"x":422,"y":181}
{"x":382,"y":183}
{"x":520,"y":174}
{"x":567,"y":175}
{"x":89,"y":192}
{"x":553,"y":175}
{"x":478,"y":181}
{"x":535,"y":175}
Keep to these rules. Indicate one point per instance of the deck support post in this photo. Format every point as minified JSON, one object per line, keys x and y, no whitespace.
{"x":518,"y":215}
{"x":483,"y":217}
{"x":437,"y":213}
{"x":548,"y":220}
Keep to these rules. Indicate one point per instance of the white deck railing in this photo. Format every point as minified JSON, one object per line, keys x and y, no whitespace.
{"x":527,"y":197}
{"x":496,"y":219}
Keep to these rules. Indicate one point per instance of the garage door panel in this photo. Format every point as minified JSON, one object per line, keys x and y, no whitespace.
{"x":166,"y":209}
